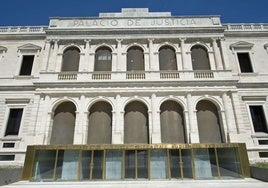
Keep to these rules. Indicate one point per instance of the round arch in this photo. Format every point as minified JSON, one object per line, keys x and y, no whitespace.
{"x":172,"y":98}
{"x":135,"y":45}
{"x":57,"y":102}
{"x":171,"y":45}
{"x":135,"y":98}
{"x":71,"y":59}
{"x":100,"y":99}
{"x":64,"y":48}
{"x":104,"y":45}
{"x":202,"y":44}
{"x":212,"y":99}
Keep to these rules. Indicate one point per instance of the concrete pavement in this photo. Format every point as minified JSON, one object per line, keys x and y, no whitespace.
{"x":238,"y":183}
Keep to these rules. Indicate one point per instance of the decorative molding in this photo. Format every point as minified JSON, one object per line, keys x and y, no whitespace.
{"x":31,"y":48}
{"x":242,"y":44}
{"x":3,"y":49}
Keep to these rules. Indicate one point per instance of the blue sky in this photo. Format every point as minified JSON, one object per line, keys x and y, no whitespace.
{"x":37,"y":12}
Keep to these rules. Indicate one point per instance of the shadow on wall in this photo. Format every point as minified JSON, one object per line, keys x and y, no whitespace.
{"x":10,"y":175}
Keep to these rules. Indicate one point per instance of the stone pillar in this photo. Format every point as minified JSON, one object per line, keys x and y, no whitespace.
{"x":85,"y":64}
{"x":185,"y":65}
{"x":150,"y":120}
{"x":46,"y":55}
{"x":117,"y":134}
{"x":78,"y":139}
{"x":53,"y":59}
{"x":193,"y":128}
{"x":151,"y":55}
{"x":217,"y":55}
{"x":119,"y":55}
{"x":179,"y":61}
{"x":224,"y":54}
{"x":226,"y":105}
{"x":156,"y":127}
{"x":146,"y":61}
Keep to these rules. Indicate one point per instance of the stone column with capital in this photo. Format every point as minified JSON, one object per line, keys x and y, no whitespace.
{"x":85,"y":63}
{"x":193,"y":128}
{"x":53,"y":58}
{"x":185,"y":65}
{"x":119,"y":55}
{"x":46,"y":54}
{"x":151,"y":55}
{"x":156,"y":127}
{"x":224,"y":54}
{"x":217,"y":54}
{"x":118,"y":122}
{"x":227,"y":111}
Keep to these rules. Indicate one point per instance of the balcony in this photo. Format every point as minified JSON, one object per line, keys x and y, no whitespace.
{"x":140,"y":76}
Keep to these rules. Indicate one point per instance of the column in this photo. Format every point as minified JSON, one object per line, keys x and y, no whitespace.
{"x":224,"y":54}
{"x":183,"y":54}
{"x":193,"y":127}
{"x":156,"y":127}
{"x":151,"y":55}
{"x":216,"y":55}
{"x":119,"y":55}
{"x":227,"y":115}
{"x":117,"y":133}
{"x":78,"y":138}
{"x":53,"y":59}
{"x":46,"y":55}
{"x":85,"y":64}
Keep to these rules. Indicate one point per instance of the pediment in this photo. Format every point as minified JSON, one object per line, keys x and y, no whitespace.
{"x":29,"y":47}
{"x":242,"y":44}
{"x":3,"y":49}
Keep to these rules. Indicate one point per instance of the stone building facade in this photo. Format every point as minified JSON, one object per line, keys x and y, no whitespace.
{"x":133,"y":77}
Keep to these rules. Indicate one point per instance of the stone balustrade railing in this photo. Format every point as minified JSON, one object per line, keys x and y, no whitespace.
{"x":246,"y":27}
{"x":22,"y":29}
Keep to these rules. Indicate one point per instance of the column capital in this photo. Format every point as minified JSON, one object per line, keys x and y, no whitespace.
{"x":119,"y":40}
{"x":87,"y":40}
{"x":151,"y":40}
{"x":183,"y":39}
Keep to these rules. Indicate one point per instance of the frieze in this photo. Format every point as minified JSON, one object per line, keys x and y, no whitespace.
{"x":135,"y":22}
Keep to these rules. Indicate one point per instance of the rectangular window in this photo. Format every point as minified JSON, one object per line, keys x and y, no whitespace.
{"x":26,"y":65}
{"x":258,"y":118}
{"x":7,"y":157}
{"x":14,"y":120}
{"x":8,"y":145}
{"x":244,"y":63}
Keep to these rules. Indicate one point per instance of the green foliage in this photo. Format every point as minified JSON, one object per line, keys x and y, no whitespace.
{"x":261,"y":165}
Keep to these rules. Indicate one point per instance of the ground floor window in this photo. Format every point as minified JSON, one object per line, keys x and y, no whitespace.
{"x":131,"y":162}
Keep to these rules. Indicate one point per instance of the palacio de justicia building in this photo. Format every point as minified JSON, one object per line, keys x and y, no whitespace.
{"x":134,"y":95}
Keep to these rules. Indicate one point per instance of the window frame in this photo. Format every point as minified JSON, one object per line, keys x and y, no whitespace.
{"x":21,"y":64}
{"x":257,"y":103}
{"x":250,"y":59}
{"x":7,"y":119}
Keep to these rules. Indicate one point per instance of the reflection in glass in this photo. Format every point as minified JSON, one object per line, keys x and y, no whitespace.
{"x":97,"y":164}
{"x":85,"y":165}
{"x":205,"y":163}
{"x":187,"y":163}
{"x":142,"y":163}
{"x":228,"y":163}
{"x":175,"y":163}
{"x":130,"y":164}
{"x":44,"y":164}
{"x":113,"y":164}
{"x":158,"y":164}
{"x":67,"y":164}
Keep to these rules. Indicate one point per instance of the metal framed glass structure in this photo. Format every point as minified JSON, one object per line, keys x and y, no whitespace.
{"x":135,"y":162}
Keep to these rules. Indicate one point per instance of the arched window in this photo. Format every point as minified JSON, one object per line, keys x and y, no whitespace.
{"x":135,"y":59}
{"x":100,"y":123}
{"x":70,"y":61}
{"x":200,"y":60}
{"x":209,"y":125}
{"x":167,"y":58}
{"x":172,"y":123}
{"x":63,"y":124}
{"x":136,"y":129}
{"x":103,"y":59}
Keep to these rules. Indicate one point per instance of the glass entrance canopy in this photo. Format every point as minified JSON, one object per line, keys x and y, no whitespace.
{"x":135,"y":162}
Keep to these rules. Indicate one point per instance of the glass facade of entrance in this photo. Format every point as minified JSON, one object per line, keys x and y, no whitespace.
{"x":135,"y":162}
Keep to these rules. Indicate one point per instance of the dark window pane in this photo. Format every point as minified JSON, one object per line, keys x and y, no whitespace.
{"x":8,"y":145}
{"x":130,"y":164}
{"x":7,"y":157}
{"x":263,"y":142}
{"x":113,"y":164}
{"x":200,"y":60}
{"x":142,"y":156}
{"x":263,"y":154}
{"x":175,"y":163}
{"x":167,"y":58}
{"x":103,"y":60}
{"x":85,"y":165}
{"x":14,"y":120}
{"x":158,"y":164}
{"x":44,"y":164}
{"x":228,"y":164}
{"x":97,"y":164}
{"x":71,"y":57}
{"x":187,"y":163}
{"x":135,"y":59}
{"x":258,"y":118}
{"x":244,"y":62}
{"x":27,"y":64}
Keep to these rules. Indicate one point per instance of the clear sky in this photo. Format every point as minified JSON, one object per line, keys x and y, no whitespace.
{"x":37,"y":12}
